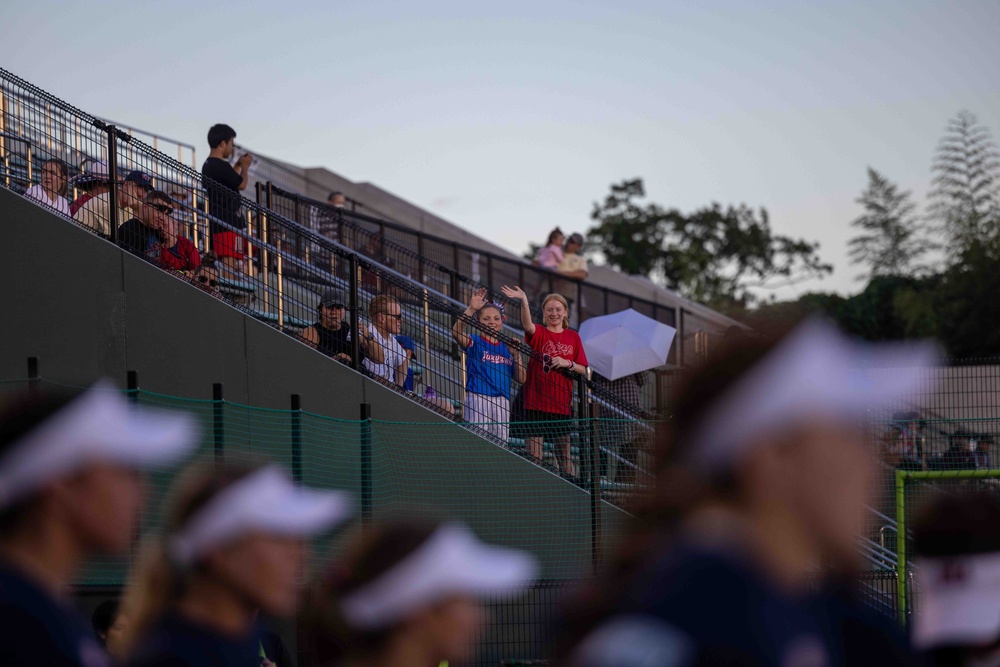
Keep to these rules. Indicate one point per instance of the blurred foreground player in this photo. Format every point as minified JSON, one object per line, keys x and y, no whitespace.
{"x":763,"y":477}
{"x":68,"y":490}
{"x":956,"y":540}
{"x":234,"y":542}
{"x":410,"y":595}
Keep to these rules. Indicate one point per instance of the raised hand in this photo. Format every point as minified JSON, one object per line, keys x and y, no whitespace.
{"x":478,"y":299}
{"x":514,"y":293}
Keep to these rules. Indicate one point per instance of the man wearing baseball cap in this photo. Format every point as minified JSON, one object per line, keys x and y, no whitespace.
{"x":331,"y":334}
{"x":69,"y":489}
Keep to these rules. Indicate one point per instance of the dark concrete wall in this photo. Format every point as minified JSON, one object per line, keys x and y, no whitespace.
{"x":86,"y":309}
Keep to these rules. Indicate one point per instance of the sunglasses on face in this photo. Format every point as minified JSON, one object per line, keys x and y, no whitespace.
{"x":163,"y":208}
{"x":211,"y":281}
{"x":398,"y":318}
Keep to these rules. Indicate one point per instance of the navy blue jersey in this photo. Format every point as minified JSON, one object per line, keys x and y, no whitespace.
{"x":694,"y":607}
{"x":37,"y":629}
{"x":177,"y":642}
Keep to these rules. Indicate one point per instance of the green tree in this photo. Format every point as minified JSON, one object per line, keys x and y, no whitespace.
{"x":892,"y":238}
{"x":963,"y":201}
{"x":717,"y":256}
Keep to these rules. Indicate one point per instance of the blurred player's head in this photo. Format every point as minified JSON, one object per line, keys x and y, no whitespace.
{"x":234,"y":531}
{"x":956,"y":543}
{"x":69,"y":468}
{"x":413,"y":589}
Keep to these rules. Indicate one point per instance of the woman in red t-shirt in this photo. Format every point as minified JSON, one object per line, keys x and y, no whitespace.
{"x":548,"y":395}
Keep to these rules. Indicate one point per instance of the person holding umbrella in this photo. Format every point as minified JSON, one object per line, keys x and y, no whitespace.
{"x":548,"y":395}
{"x":233,"y":544}
{"x":762,"y":475}
{"x":69,"y":489}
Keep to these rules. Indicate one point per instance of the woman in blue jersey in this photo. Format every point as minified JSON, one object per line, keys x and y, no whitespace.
{"x":489,"y":366}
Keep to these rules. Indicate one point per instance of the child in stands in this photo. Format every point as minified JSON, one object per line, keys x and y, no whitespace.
{"x":489,"y":366}
{"x":548,"y":396}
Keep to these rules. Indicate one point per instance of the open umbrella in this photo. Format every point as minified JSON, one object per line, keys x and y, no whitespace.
{"x":625,"y":342}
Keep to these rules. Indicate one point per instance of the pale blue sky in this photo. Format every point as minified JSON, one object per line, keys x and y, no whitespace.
{"x":509,"y":118}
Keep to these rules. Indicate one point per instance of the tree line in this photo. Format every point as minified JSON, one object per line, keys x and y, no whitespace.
{"x":929,"y":273}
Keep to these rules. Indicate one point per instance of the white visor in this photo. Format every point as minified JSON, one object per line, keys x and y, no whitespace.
{"x":816,"y":373}
{"x":959,"y":600}
{"x":266,"y":501}
{"x":99,"y":426}
{"x":450,"y":562}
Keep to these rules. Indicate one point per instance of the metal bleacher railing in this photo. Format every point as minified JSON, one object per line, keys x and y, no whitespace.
{"x":289,"y":266}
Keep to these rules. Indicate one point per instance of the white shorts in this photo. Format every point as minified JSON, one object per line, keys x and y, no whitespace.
{"x":489,"y":413}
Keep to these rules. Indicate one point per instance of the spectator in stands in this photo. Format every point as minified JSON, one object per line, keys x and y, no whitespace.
{"x":96,"y":212}
{"x":762,"y":473}
{"x":206,"y":278}
{"x":618,"y":433}
{"x":142,"y":235}
{"x":550,"y":256}
{"x":234,"y":543}
{"x":961,"y":453}
{"x":176,"y":252}
{"x":331,"y":333}
{"x":956,"y":543}
{"x":489,"y":366}
{"x":336,"y":199}
{"x":573,"y":265}
{"x":409,"y":595}
{"x":51,"y":192}
{"x":548,"y":395}
{"x":71,"y":491}
{"x":223,"y":184}
{"x":92,"y":182}
{"x":387,"y":359}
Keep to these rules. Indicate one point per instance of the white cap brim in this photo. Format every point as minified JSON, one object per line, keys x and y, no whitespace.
{"x":450,"y":562}
{"x":100,"y":425}
{"x":816,"y":373}
{"x":266,"y":501}
{"x":959,"y":601}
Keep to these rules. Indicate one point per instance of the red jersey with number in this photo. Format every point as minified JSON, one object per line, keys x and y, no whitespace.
{"x":553,"y":391}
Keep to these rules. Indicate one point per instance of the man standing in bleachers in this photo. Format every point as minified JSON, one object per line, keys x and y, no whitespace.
{"x":223,"y":183}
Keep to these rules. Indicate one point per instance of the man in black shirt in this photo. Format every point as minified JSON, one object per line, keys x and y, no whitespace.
{"x":141,"y":236}
{"x":331,"y":335}
{"x":223,"y":183}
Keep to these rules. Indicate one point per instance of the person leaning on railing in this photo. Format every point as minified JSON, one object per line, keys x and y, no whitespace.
{"x":51,"y":192}
{"x":331,"y":334}
{"x":548,"y":395}
{"x":153,"y":236}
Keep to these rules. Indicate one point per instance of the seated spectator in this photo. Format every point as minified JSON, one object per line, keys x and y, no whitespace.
{"x":206,"y":278}
{"x":551,"y":255}
{"x":223,"y":184}
{"x":961,"y":452}
{"x":177,"y":253}
{"x":573,"y":265}
{"x":92,"y":182}
{"x":387,"y":360}
{"x":142,"y":235}
{"x":96,"y":212}
{"x":331,"y":334}
{"x":336,"y":199}
{"x":51,"y":192}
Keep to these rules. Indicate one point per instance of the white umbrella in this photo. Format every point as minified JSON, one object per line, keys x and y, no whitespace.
{"x":625,"y":342}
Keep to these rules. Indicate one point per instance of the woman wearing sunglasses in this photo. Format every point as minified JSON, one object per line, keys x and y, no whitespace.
{"x":409,"y":594}
{"x":233,"y":544}
{"x":548,"y":393}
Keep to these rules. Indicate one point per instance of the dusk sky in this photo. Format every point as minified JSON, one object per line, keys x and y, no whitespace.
{"x":510,"y":118}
